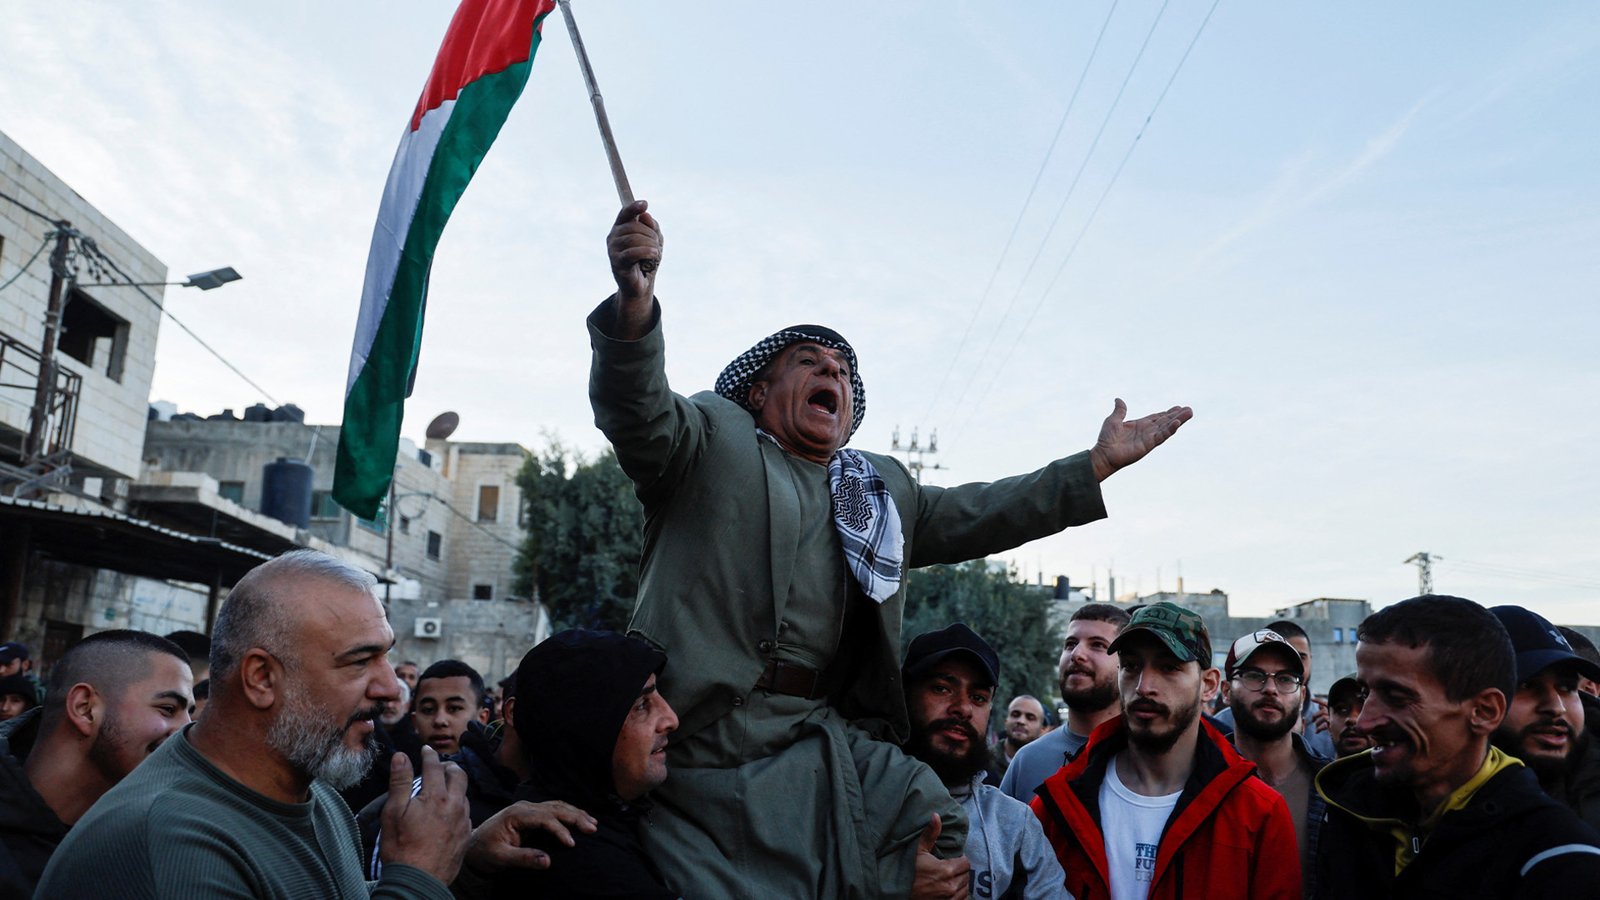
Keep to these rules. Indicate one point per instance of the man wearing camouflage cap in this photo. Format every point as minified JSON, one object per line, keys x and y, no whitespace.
{"x":774,"y":569}
{"x":1158,"y":804}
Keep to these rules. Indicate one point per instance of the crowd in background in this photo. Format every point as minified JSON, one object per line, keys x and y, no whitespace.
{"x":1459,"y":759}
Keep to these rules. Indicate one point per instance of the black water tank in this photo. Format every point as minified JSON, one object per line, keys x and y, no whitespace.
{"x":286,"y":491}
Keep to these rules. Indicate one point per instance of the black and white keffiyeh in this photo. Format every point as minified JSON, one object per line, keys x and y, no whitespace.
{"x":868,"y":523}
{"x":735,"y":380}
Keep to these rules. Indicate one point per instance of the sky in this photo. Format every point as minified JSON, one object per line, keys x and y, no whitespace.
{"x":1361,"y":240}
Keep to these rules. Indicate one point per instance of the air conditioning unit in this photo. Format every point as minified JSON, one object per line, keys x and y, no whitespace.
{"x":429,"y":628}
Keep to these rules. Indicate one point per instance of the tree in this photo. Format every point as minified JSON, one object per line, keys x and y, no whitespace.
{"x":585,"y":534}
{"x":1013,"y":617}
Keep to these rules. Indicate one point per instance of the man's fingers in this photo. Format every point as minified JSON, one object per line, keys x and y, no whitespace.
{"x":632,"y":211}
{"x":572,"y":815}
{"x":522,"y":858}
{"x":455,"y":781}
{"x":399,"y":780}
{"x":1119,"y":411}
{"x":432,"y":769}
{"x":930,"y":836}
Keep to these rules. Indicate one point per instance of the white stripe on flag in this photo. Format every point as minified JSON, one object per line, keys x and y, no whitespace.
{"x":398,"y":207}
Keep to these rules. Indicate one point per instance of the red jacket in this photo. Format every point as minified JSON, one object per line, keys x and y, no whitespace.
{"x":1230,"y":837}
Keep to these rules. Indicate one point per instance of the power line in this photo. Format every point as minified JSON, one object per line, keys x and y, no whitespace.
{"x":1062,"y":207}
{"x":88,"y":246}
{"x":48,"y":237}
{"x":1093,"y":213}
{"x":983,"y":298}
{"x":1523,"y":574}
{"x":476,"y":524}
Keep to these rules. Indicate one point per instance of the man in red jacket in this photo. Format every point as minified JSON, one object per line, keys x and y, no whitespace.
{"x":1159,"y":804}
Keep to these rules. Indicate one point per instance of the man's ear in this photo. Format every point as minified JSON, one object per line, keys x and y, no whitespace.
{"x":261,"y":676}
{"x":758,"y":395}
{"x":508,"y":708}
{"x":1486,"y":710}
{"x":1210,"y":683}
{"x":85,"y":709}
{"x":483,"y":714}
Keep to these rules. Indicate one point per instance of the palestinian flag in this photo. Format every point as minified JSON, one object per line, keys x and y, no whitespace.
{"x":482,"y":67}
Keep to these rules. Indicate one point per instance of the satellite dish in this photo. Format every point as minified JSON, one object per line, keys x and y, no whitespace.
{"x":443,"y":425}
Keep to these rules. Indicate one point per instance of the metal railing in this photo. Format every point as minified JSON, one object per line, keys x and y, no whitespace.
{"x":19,"y":380}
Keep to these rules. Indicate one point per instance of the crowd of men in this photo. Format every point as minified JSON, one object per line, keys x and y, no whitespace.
{"x":1464,"y":760}
{"x":762,"y":729}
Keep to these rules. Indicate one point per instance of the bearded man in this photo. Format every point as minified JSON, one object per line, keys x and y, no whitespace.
{"x":245,"y":802}
{"x":1265,"y":674}
{"x":773,"y":570}
{"x":1088,"y":673}
{"x":1159,"y":804}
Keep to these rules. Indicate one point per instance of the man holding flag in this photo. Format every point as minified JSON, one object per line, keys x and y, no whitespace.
{"x":774,"y":566}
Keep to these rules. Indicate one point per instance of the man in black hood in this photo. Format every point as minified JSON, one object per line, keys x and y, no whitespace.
{"x":594,"y":730}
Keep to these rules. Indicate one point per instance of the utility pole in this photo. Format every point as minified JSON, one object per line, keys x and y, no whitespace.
{"x":60,"y":276}
{"x":915,"y":452}
{"x":1424,"y":562}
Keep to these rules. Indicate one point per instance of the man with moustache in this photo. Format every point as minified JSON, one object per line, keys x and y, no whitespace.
{"x":1088,"y":673}
{"x":774,"y":565}
{"x":1547,"y":724}
{"x":244,"y":802}
{"x":1434,"y":810}
{"x":111,"y":701}
{"x":1344,"y":709}
{"x":1159,"y":804}
{"x":950,"y":676}
{"x":1264,"y":679}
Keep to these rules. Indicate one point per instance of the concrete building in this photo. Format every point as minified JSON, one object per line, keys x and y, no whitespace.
{"x":105,"y":526}
{"x":444,"y":549}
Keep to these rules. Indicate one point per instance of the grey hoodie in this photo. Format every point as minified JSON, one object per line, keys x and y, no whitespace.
{"x":1006,"y":846}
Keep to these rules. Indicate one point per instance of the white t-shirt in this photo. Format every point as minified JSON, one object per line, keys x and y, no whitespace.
{"x":1131,"y":824}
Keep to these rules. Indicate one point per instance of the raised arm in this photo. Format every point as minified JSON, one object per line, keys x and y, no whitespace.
{"x":634,"y":238}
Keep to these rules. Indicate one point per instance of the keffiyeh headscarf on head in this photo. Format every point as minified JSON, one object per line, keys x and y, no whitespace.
{"x":863,"y":510}
{"x":735,"y":380}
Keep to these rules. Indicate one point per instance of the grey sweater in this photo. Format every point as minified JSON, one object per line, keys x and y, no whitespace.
{"x":1006,"y":846}
{"x":179,"y":827}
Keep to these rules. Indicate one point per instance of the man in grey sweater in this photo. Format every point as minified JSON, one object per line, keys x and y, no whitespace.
{"x":245,"y":802}
{"x":949,"y":678}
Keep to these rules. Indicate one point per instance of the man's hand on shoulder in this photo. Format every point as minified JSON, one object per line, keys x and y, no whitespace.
{"x":634,"y":247}
{"x":1122,"y":443}
{"x":428,"y":831}
{"x":498,"y":843}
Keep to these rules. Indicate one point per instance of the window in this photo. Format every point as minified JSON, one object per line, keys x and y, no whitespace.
{"x":483,"y":592}
{"x":405,"y":524}
{"x":435,"y":543}
{"x":323,"y":506}
{"x":231,"y":490}
{"x":89,"y":330}
{"x":1338,"y":635}
{"x":488,"y":503}
{"x":378,"y":524}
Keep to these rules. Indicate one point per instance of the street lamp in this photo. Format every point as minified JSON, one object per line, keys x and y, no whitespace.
{"x":205,"y":281}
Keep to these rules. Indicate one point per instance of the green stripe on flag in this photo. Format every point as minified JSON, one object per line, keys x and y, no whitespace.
{"x":375,"y":405}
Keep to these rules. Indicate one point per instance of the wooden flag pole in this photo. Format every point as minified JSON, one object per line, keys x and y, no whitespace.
{"x":618,"y":175}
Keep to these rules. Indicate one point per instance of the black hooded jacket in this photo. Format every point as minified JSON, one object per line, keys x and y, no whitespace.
{"x":29,"y":829}
{"x":574,"y":692}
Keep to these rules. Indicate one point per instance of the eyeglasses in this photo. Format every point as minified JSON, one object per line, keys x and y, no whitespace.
{"x":1256,"y":680}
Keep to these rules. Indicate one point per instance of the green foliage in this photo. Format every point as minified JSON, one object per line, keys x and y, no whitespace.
{"x":1013,"y":617}
{"x":585,"y":534}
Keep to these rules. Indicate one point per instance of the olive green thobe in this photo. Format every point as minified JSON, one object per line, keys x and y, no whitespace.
{"x":770,"y":795}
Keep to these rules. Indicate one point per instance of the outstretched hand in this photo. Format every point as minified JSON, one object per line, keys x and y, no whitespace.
{"x":1122,"y":443}
{"x":499,"y":843}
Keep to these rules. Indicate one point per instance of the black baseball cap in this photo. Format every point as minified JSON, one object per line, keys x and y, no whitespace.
{"x":11,"y":651}
{"x":1539,"y":645}
{"x":927,"y":649}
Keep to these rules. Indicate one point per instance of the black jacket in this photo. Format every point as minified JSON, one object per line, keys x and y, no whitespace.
{"x":29,"y":829}
{"x":1509,"y":841}
{"x":574,"y":692}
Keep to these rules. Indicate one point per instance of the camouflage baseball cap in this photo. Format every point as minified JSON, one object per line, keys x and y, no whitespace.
{"x":1181,"y":630}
